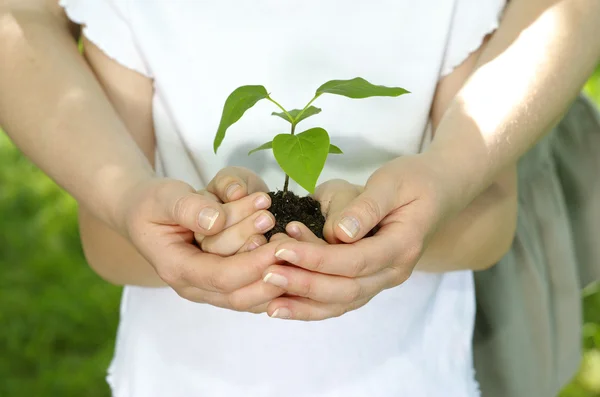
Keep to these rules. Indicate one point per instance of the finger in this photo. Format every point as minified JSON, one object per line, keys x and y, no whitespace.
{"x":233,"y":238}
{"x":329,"y":289}
{"x":391,"y":245}
{"x":303,"y":309}
{"x":233,"y":183}
{"x":241,"y":209}
{"x":179,"y":204}
{"x":253,"y":243}
{"x":335,"y":196}
{"x":214,"y":273}
{"x":279,"y":237}
{"x":365,"y":212}
{"x":254,"y":298}
{"x":209,"y":195}
{"x":255,"y":294}
{"x":301,"y":232}
{"x":198,"y":236}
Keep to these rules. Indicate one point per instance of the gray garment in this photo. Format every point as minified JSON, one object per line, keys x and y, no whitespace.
{"x":527,"y":340}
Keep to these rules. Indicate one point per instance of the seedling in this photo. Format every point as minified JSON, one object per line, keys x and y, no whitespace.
{"x":301,"y":156}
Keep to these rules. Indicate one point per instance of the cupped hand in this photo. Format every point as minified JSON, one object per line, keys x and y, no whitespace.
{"x":245,"y":199}
{"x":160,"y":219}
{"x":247,"y":221}
{"x":405,"y":198}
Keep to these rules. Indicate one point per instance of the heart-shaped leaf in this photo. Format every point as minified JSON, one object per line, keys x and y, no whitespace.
{"x":264,"y":146}
{"x":302,"y":157}
{"x":358,"y":88}
{"x":240,"y":100}
{"x":334,"y":149}
{"x":310,"y":111}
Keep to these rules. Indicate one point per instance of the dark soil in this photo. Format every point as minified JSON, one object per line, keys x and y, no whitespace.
{"x":289,"y":207}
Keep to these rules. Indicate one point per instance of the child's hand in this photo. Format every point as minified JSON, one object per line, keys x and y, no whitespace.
{"x":246,"y":221}
{"x":246,"y":201}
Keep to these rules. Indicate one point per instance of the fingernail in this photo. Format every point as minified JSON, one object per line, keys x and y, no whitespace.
{"x":262,"y":202}
{"x":276,"y":279}
{"x":287,"y":255}
{"x":231,"y":189}
{"x":294,"y":230}
{"x":350,"y":226}
{"x":263,"y":222}
{"x":207,"y":218}
{"x":282,"y":312}
{"x":253,"y":245}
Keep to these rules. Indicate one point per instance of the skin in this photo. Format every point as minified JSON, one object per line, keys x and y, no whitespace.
{"x":524,"y":80}
{"x":57,"y":110}
{"x":48,"y":80}
{"x":107,"y":256}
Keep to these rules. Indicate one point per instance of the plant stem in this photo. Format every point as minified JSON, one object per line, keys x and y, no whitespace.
{"x":287,"y":177}
{"x":306,"y":107}
{"x":289,"y":116}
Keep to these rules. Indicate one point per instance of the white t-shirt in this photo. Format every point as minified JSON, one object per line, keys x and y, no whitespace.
{"x":413,"y":340}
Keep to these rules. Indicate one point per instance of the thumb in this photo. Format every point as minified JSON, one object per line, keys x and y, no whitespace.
{"x":334,"y":196}
{"x":365,"y":212}
{"x":233,"y":183}
{"x":181,"y":205}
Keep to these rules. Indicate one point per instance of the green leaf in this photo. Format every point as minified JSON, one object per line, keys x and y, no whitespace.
{"x":240,"y":100}
{"x":358,"y":88}
{"x":264,"y":146}
{"x":310,"y":111}
{"x":302,"y":156}
{"x":334,"y":149}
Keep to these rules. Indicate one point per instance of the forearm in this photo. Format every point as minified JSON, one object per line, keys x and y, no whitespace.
{"x":112,"y":257}
{"x":525,"y":78}
{"x":57,"y":114}
{"x":480,"y":235}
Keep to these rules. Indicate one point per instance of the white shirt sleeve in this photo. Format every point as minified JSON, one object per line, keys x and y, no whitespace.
{"x":107,"y":24}
{"x":472,"y":21}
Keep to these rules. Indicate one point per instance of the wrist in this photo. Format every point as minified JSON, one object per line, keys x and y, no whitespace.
{"x":125,"y":193}
{"x":462,"y":173}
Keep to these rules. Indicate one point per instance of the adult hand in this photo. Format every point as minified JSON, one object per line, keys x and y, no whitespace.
{"x":407,"y":198}
{"x":160,"y":219}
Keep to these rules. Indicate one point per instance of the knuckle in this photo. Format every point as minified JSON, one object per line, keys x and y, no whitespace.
{"x":371,"y":208}
{"x":398,"y":276}
{"x":181,"y":207}
{"x":170,"y":275}
{"x":319,"y":264}
{"x":185,"y":294}
{"x":218,"y":282}
{"x":359,"y":265}
{"x":237,"y":302}
{"x":352,"y":293}
{"x":305,"y":288}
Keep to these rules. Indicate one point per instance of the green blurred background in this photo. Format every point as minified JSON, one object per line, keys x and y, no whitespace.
{"x":58,"y":319}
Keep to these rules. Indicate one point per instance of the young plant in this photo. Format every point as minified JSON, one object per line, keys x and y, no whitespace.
{"x":301,"y":156}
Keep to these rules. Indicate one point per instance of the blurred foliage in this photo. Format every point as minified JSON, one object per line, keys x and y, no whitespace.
{"x":59,"y":319}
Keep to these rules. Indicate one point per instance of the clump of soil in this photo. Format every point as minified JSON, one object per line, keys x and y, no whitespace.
{"x":289,"y":207}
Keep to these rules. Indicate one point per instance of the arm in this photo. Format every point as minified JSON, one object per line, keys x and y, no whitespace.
{"x":526,"y":77}
{"x":55,"y":111}
{"x":107,"y":252}
{"x":481,"y":234}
